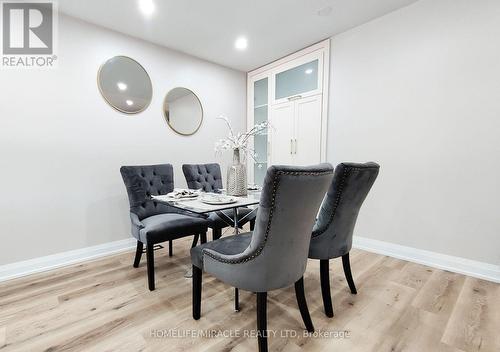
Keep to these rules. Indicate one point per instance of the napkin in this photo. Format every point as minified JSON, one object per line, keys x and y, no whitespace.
{"x":183,"y":193}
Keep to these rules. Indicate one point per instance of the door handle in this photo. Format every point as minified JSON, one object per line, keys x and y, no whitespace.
{"x":295,"y":146}
{"x":295,"y":97}
{"x":291,"y":146}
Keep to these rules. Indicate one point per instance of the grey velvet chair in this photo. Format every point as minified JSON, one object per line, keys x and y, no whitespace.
{"x":208,"y":178}
{"x":154,"y":222}
{"x":274,"y":256}
{"x":333,"y":230}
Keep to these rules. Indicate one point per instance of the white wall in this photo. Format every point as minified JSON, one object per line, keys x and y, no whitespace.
{"x":61,"y":145}
{"x":418,"y":91}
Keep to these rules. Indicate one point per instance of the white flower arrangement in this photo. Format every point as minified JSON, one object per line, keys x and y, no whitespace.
{"x":240,"y":140}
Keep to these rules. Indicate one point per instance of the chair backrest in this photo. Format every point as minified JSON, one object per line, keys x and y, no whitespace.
{"x":290,"y":199}
{"x":339,"y":211}
{"x":207,"y":177}
{"x":144,"y":181}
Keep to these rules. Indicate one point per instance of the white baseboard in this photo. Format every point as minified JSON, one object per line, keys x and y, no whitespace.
{"x":459,"y":265}
{"x":37,"y":265}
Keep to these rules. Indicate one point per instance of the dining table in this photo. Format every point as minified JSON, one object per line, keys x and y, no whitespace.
{"x":203,"y":203}
{"x":198,"y":205}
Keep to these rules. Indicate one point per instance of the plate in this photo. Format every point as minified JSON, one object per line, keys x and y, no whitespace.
{"x":218,"y":200}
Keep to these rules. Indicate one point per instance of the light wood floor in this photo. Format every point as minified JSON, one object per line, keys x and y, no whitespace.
{"x":105,"y":305}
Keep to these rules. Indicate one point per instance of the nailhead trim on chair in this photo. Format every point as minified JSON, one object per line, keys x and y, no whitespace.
{"x":338,"y":198}
{"x":257,"y":252}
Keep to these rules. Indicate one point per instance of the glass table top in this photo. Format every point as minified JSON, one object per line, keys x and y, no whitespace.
{"x":195,"y":205}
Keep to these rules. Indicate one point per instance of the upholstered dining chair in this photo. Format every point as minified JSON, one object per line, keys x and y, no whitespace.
{"x":334,"y":227}
{"x":274,"y":256}
{"x":208,"y":177}
{"x":154,"y":222}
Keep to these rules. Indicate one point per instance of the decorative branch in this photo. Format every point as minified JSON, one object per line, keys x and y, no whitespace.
{"x":240,"y":140}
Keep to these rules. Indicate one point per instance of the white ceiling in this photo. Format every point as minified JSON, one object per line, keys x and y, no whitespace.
{"x":208,"y":28}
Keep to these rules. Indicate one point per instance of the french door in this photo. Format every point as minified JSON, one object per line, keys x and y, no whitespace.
{"x":282,"y":133}
{"x":290,"y":93}
{"x":307,"y":145}
{"x":296,"y":128}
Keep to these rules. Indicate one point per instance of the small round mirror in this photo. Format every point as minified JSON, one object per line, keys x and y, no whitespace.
{"x":125,"y":84}
{"x":183,"y":111}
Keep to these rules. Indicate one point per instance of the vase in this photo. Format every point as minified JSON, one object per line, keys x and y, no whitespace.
{"x":237,"y":176}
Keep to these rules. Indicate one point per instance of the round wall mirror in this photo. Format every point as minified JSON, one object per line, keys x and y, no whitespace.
{"x":125,"y":84}
{"x":183,"y":111}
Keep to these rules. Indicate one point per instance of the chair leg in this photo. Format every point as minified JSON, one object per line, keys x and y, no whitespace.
{"x":301,"y":301}
{"x":138,"y":254}
{"x":151,"y":266}
{"x":195,"y":240}
{"x":348,"y":275}
{"x":216,"y":234}
{"x":196,"y":292}
{"x":170,"y":248}
{"x":236,"y":300}
{"x":262,"y":320}
{"x":203,"y":237}
{"x":325,"y":287}
{"x":252,"y":225}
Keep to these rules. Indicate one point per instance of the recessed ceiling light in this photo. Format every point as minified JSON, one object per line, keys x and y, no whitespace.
{"x":129,"y":102}
{"x":309,"y":71}
{"x":121,"y":86}
{"x":325,"y":11}
{"x":147,"y":7}
{"x":241,"y":43}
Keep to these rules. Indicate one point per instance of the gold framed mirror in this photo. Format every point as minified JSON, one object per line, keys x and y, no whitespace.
{"x":183,"y":111}
{"x":125,"y":84}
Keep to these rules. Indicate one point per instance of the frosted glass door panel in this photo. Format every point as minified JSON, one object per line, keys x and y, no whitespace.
{"x":297,"y":80}
{"x":260,"y":145}
{"x":260,"y":115}
{"x":260,"y":92}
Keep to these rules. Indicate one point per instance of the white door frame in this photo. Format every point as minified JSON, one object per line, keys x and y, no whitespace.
{"x":266,"y":71}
